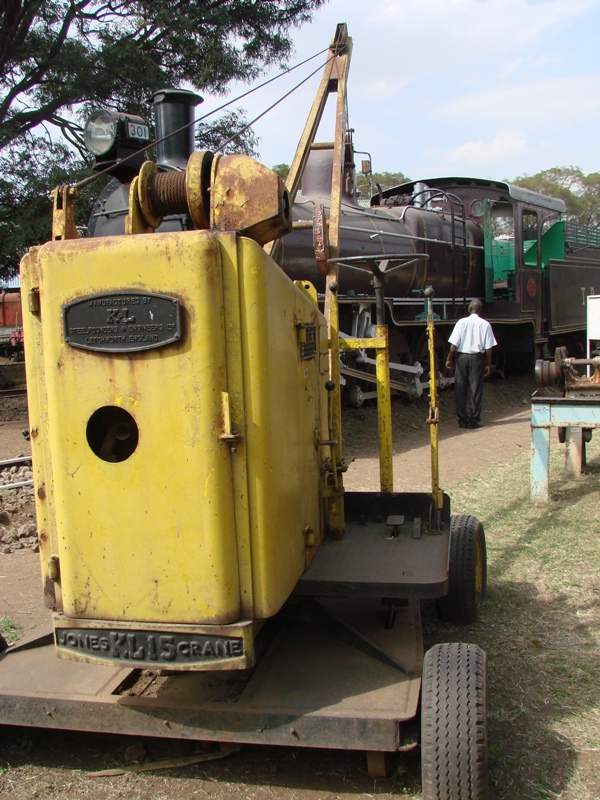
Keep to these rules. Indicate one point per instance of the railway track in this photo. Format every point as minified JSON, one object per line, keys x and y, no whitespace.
{"x":14,"y":391}
{"x":15,"y":462}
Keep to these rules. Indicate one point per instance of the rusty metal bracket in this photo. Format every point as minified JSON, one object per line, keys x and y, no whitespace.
{"x":320,"y":239}
{"x":63,"y":221}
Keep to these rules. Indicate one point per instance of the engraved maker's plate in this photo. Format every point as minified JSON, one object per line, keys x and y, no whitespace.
{"x":149,"y":647}
{"x":122,"y":322}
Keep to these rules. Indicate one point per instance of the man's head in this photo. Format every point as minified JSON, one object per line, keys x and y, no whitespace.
{"x":475,"y":307}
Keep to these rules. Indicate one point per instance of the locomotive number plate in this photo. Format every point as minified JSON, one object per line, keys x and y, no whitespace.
{"x":122,"y":322}
{"x":148,"y":647}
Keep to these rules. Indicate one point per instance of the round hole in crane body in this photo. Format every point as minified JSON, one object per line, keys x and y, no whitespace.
{"x":112,"y":434}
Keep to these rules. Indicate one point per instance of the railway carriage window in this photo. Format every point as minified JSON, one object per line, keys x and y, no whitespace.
{"x":531,"y":241}
{"x":499,"y":247}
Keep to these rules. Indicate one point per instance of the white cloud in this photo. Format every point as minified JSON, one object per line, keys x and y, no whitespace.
{"x":494,"y":87}
{"x":479,"y":156}
{"x":472,"y":42}
{"x":511,"y":23}
{"x":553,"y":102}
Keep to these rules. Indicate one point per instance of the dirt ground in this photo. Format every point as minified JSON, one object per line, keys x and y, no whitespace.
{"x":40,"y":764}
{"x":462,"y":452}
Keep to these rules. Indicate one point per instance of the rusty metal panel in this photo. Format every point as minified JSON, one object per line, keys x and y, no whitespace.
{"x":379,"y":556}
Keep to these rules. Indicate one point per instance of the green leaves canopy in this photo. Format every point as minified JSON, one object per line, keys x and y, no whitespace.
{"x":367,"y":184}
{"x":59,"y":58}
{"x":580,"y":192}
{"x":56,"y":54}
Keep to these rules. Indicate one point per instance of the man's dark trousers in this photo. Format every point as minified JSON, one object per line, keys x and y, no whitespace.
{"x":468,"y":379}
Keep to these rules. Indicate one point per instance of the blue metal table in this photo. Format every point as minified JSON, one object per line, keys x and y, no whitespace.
{"x":572,"y":413}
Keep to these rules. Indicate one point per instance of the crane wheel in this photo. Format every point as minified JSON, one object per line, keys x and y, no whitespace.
{"x":467,"y":571}
{"x":454,"y":723}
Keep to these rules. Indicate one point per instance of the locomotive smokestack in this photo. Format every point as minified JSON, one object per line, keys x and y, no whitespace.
{"x":173,"y":109}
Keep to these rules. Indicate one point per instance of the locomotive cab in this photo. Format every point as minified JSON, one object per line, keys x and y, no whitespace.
{"x":514,"y":258}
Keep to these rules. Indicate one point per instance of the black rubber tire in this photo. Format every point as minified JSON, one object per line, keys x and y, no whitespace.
{"x":454,"y":723}
{"x":467,"y":571}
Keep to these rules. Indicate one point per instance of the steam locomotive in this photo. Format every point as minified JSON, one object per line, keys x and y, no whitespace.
{"x":466,"y":237}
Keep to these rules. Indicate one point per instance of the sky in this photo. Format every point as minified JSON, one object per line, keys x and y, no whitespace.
{"x":481,"y":88}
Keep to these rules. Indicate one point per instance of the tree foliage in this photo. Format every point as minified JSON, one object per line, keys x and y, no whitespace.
{"x":580,"y":192}
{"x":25,"y":211}
{"x":56,"y":54}
{"x":368,"y":184}
{"x":282,"y":170}
{"x":213,"y":135}
{"x":60,"y":58}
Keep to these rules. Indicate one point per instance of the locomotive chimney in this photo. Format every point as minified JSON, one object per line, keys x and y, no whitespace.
{"x":174,"y":109}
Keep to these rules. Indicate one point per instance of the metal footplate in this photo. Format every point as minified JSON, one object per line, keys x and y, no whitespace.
{"x":310,"y":689}
{"x":390,"y":549}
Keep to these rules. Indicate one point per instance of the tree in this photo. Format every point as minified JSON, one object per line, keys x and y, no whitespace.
{"x":60,"y":58}
{"x":281,"y":170}
{"x":25,"y":211}
{"x":580,"y":192}
{"x":56,"y":54}
{"x":367,"y":184}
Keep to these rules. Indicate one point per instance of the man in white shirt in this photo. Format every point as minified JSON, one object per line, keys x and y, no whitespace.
{"x":471,"y":344}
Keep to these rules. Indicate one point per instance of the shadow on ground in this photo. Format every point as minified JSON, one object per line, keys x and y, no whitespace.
{"x":529,"y":642}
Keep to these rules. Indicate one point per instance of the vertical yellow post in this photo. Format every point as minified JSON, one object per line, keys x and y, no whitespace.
{"x":384,"y":412}
{"x":336,"y":503}
{"x":434,"y":413}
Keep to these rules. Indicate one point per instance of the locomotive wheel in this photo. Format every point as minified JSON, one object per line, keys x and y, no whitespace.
{"x":467,"y":571}
{"x":421,"y":352}
{"x":454,"y":723}
{"x":399,"y":349}
{"x":355,"y":397}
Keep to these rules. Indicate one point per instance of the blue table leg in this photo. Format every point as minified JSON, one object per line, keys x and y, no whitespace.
{"x":540,"y":464}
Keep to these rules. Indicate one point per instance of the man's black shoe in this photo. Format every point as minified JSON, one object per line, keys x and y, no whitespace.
{"x":462,"y":424}
{"x":474,"y":424}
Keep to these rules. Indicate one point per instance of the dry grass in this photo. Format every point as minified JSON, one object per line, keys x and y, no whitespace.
{"x":9,"y":630}
{"x":540,"y":627}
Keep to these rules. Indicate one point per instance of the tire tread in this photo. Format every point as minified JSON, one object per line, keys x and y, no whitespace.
{"x":454,"y":723}
{"x":461,"y":604}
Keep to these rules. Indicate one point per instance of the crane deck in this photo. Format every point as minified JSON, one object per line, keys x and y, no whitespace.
{"x":332,"y":675}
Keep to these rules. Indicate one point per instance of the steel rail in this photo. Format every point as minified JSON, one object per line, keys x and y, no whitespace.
{"x":19,"y":485}
{"x":14,"y":462}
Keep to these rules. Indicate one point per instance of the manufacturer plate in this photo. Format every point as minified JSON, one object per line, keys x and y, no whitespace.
{"x":122,"y":322}
{"x":148,"y":646}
